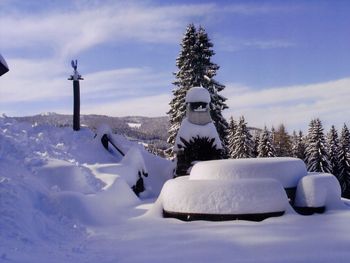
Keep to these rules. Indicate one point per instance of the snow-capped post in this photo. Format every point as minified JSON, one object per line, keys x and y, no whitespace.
{"x":197,"y":138}
{"x":3,"y":66}
{"x":76,"y":92}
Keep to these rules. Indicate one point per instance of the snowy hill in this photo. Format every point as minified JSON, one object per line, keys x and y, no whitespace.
{"x":64,"y":198}
{"x":150,"y":130}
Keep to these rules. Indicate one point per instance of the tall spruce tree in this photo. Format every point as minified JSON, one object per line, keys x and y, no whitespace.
{"x":298,"y":145}
{"x":265,"y":148}
{"x":333,"y":151}
{"x":317,"y":159}
{"x":196,"y":69}
{"x":242,"y":146}
{"x":344,"y":161}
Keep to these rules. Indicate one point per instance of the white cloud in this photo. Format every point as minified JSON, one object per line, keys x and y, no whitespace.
{"x":43,"y":86}
{"x":71,"y":32}
{"x":67,"y":32}
{"x":152,"y":106}
{"x":294,"y":106}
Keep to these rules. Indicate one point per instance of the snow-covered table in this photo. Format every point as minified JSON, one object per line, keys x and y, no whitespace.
{"x":250,"y":189}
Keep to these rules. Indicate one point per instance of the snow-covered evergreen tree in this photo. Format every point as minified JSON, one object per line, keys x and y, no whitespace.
{"x":282,"y":142}
{"x":232,"y":127}
{"x":333,"y":150}
{"x":242,"y":146}
{"x":344,"y":161}
{"x":317,"y":159}
{"x":183,"y":81}
{"x":298,"y":145}
{"x":196,"y":69}
{"x":265,"y":147}
{"x":256,"y":140}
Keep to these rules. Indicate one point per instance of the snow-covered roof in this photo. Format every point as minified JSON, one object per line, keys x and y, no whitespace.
{"x":2,"y":61}
{"x":197,"y":94}
{"x":3,"y":66}
{"x":284,"y":169}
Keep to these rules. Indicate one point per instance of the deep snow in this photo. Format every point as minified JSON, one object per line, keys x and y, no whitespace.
{"x":64,"y":198}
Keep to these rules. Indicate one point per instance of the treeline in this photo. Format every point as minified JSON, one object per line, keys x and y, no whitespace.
{"x":321,"y":152}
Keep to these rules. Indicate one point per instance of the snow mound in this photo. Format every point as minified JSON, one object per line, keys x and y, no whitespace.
{"x":102,"y":208}
{"x":61,"y":175}
{"x":286,"y":170}
{"x":318,"y":190}
{"x":243,"y":196}
{"x":197,"y":94}
{"x":189,"y":130}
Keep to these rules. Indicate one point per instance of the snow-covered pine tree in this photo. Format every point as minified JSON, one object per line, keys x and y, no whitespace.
{"x":298,"y":145}
{"x":265,"y":147}
{"x":344,"y":161}
{"x":333,"y":150}
{"x":317,"y":159}
{"x":183,"y":81}
{"x":232,"y":126}
{"x":282,"y":142}
{"x":196,"y":69}
{"x":242,"y":141}
{"x":256,"y":140}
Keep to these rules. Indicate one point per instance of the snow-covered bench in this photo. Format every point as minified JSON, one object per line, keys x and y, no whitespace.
{"x":317,"y":192}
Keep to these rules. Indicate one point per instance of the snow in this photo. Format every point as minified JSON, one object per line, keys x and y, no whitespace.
{"x":243,"y":196}
{"x":189,"y":130}
{"x":134,"y":125}
{"x":94,"y":217}
{"x":197,"y":94}
{"x":318,"y":190}
{"x":286,"y":170}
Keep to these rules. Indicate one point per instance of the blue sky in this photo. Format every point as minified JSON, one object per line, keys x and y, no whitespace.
{"x":281,"y":61}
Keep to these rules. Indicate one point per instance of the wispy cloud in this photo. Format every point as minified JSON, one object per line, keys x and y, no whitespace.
{"x":71,"y":32}
{"x":43,"y":83}
{"x":234,"y":44}
{"x":67,"y":32}
{"x":294,"y":106}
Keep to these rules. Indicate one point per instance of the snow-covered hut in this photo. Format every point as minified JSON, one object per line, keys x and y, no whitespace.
{"x":197,"y":138}
{"x":3,"y":66}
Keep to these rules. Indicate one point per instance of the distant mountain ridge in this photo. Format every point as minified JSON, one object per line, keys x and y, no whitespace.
{"x":150,"y":130}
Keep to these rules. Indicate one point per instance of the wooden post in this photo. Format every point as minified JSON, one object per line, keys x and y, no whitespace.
{"x":76,"y":94}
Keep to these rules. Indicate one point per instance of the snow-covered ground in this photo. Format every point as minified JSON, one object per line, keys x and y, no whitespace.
{"x":64,"y":198}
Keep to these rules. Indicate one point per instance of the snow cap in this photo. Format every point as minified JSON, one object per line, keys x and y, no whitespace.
{"x":197,"y":94}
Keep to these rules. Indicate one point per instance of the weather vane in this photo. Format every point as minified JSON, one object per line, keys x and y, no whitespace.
{"x":76,"y":75}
